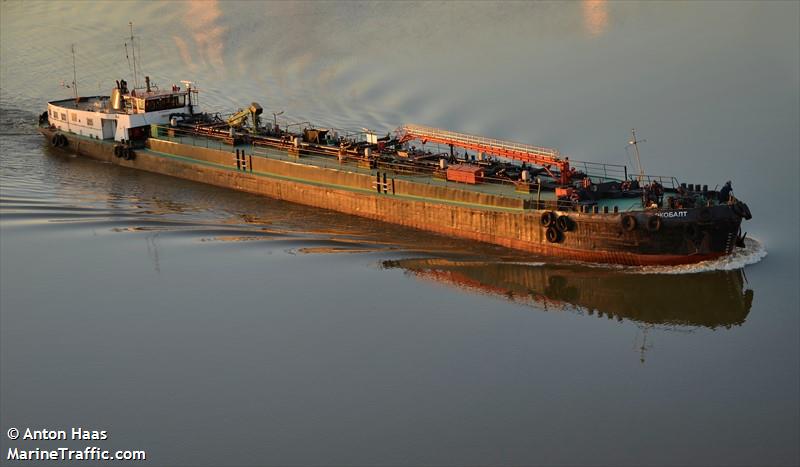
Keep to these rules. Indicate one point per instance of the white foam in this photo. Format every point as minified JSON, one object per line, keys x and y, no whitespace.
{"x":753,"y":252}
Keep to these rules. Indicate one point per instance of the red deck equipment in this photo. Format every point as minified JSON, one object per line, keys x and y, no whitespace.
{"x":465,"y":173}
{"x":544,"y":157}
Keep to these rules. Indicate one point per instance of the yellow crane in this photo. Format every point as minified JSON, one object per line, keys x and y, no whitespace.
{"x":239,"y":119}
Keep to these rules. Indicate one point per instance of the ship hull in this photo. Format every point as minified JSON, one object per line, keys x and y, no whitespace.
{"x":593,"y":237}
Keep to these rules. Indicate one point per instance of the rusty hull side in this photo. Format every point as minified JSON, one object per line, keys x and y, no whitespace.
{"x":455,"y":213}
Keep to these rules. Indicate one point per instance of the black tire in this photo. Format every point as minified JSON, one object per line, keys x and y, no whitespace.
{"x":64,"y":141}
{"x":740,"y":209}
{"x":54,"y":140}
{"x":116,"y":150}
{"x":553,"y":235}
{"x":628,"y":223}
{"x":654,"y":223}
{"x":564,"y":223}
{"x":129,"y":154}
{"x":547,"y":219}
{"x":691,"y":232}
{"x":704,"y":215}
{"x":746,"y":210}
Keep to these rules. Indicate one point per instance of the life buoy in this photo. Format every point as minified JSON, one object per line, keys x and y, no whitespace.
{"x":552,"y":235}
{"x":564,"y":223}
{"x":704,"y":215}
{"x":628,"y":223}
{"x":548,"y":218}
{"x":654,"y":223}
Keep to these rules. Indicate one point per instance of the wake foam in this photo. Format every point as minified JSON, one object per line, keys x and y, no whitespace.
{"x":753,"y":252}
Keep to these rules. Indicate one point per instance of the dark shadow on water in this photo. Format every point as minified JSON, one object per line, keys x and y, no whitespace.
{"x":718,"y":299}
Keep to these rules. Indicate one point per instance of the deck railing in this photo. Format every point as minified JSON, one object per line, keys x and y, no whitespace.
{"x":424,"y":174}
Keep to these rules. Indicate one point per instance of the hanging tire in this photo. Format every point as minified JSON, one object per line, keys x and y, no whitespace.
{"x":547,"y":219}
{"x":129,"y":154}
{"x":704,"y":215}
{"x":54,"y":140}
{"x":553,"y":235}
{"x":564,"y":223}
{"x":740,"y":209}
{"x":654,"y":223}
{"x":64,"y":142}
{"x":117,"y":148}
{"x":691,"y":232}
{"x":629,"y":223}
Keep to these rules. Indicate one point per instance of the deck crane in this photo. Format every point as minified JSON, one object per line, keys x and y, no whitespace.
{"x":238,"y":119}
{"x":547,"y":158}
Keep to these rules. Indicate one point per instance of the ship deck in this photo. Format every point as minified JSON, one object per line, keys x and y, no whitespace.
{"x":506,"y":190}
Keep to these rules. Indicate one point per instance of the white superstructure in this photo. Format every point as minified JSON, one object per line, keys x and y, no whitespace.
{"x":123,"y":115}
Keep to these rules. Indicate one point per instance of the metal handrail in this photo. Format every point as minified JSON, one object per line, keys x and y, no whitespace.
{"x":421,"y":130}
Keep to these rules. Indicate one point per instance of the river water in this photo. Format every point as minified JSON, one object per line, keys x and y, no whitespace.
{"x":210,"y":327}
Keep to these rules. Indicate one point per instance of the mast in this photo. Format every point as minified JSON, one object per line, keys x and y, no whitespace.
{"x":133,"y":50}
{"x":635,"y":144}
{"x":74,"y":75}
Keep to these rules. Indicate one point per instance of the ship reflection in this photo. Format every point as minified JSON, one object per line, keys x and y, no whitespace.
{"x":711,"y":299}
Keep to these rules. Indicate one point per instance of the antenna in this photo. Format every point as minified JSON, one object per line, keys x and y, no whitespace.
{"x":74,"y":75}
{"x":635,"y":143}
{"x":133,"y":51}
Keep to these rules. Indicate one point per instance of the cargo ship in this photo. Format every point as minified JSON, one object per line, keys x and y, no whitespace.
{"x":516,"y":195}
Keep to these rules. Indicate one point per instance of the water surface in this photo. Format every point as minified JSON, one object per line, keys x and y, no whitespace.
{"x":213,"y":327}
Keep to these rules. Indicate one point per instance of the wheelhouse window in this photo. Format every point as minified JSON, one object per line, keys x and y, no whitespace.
{"x":90,"y":121}
{"x":63,"y":116}
{"x":74,"y":117}
{"x":165,"y":102}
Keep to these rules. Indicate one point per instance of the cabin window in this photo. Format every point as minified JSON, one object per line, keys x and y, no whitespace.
{"x":90,"y":121}
{"x":63,"y":116}
{"x":166,"y":102}
{"x":74,"y":117}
